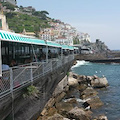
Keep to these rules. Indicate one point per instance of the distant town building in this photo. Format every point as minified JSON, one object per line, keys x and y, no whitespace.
{"x":28,"y":33}
{"x":64,"y":41}
{"x":85,"y":37}
{"x":13,"y":2}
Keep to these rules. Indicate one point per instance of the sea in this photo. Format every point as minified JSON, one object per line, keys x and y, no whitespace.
{"x":110,"y":96}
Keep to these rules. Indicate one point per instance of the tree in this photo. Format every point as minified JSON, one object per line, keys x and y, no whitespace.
{"x":44,"y":12}
{"x":9,"y":6}
{"x":37,"y":30}
{"x":76,"y":40}
{"x":41,"y":14}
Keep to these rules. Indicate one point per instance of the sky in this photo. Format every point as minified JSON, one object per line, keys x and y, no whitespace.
{"x":99,"y":18}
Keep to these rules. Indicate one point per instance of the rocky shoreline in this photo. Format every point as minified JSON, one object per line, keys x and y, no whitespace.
{"x":74,"y":99}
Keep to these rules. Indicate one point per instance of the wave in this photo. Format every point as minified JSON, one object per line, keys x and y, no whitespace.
{"x":79,"y":63}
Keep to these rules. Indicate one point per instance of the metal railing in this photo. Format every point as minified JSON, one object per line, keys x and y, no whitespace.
{"x":20,"y":76}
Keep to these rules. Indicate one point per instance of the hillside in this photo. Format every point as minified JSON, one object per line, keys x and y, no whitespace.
{"x":18,"y":21}
{"x":18,"y":18}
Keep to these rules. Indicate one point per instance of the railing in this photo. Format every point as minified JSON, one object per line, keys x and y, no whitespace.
{"x":20,"y":76}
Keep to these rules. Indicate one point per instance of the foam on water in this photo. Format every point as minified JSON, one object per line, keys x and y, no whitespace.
{"x":79,"y":63}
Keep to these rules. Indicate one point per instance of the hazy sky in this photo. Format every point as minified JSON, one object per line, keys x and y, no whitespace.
{"x":99,"y":18}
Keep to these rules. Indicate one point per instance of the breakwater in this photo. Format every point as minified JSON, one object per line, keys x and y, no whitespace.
{"x":75,"y":98}
{"x":98,"y":58}
{"x":109,"y":60}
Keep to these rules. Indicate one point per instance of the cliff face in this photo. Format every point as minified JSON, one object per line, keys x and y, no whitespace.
{"x":98,"y":47}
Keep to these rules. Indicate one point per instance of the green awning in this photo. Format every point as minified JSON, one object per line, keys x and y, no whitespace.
{"x":53,"y":44}
{"x":71,"y":48}
{"x":76,"y":48}
{"x":7,"y":36}
{"x":38,"y":41}
{"x":65,"y":47}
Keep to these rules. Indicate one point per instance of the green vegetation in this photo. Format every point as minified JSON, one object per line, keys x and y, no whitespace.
{"x":18,"y":22}
{"x":76,"y":40}
{"x":31,"y":91}
{"x":41,"y":14}
{"x":31,"y":21}
{"x":8,"y":5}
{"x":68,"y":74}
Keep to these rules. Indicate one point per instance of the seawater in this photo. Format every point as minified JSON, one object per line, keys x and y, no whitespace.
{"x":111,"y":95}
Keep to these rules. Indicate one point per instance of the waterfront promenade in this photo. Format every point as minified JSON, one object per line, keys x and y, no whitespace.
{"x":45,"y":76}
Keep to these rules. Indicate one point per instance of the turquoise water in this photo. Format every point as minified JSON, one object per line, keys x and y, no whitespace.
{"x":111,"y":95}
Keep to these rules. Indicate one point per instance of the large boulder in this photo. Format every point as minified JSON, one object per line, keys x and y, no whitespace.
{"x":56,"y":117}
{"x":89,"y":92}
{"x":101,"y":117}
{"x":99,"y":82}
{"x":72,"y":82}
{"x":51,"y":111}
{"x":59,"y":97}
{"x":82,"y":79}
{"x":94,"y":102}
{"x":78,"y":114}
{"x":61,"y":86}
{"x":63,"y":107}
{"x":73,"y":75}
{"x":82,"y":87}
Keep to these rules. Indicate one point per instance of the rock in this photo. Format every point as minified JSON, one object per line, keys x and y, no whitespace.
{"x":60,"y":87}
{"x":44,"y":111}
{"x":78,"y":114}
{"x":95,"y":77}
{"x":89,"y":92}
{"x":56,"y":117}
{"x":82,"y":87}
{"x":82,"y":79}
{"x":60,"y":97}
{"x":103,"y":82}
{"x":70,"y":74}
{"x":63,"y":107}
{"x":94,"y":102}
{"x":75,"y":76}
{"x":88,"y":113}
{"x":66,"y":89}
{"x":72,"y":82}
{"x":89,"y":78}
{"x":51,"y":111}
{"x":75,"y":62}
{"x":101,"y":117}
{"x":66,"y":119}
{"x":99,"y":83}
{"x":50,"y":103}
